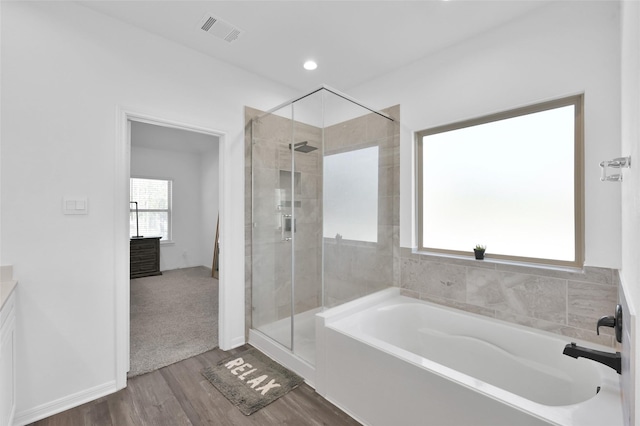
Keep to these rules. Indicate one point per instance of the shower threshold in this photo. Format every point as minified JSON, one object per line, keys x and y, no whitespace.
{"x":302,"y":361}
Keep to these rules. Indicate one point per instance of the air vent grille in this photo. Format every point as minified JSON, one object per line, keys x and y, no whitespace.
{"x":210,"y":21}
{"x":220,"y":28}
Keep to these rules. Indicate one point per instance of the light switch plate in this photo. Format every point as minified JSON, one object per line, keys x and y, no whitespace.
{"x":75,"y":205}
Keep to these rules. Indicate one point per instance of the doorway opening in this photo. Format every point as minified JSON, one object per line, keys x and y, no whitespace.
{"x":172,"y":228}
{"x":178,"y":252}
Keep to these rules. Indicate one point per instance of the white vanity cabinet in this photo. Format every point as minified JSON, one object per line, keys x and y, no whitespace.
{"x":7,"y":356}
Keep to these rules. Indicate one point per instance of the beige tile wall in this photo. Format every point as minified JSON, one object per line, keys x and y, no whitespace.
{"x":354,"y":269}
{"x":561,"y":302}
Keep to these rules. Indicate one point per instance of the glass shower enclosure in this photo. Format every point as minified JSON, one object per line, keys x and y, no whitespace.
{"x":323,"y":169}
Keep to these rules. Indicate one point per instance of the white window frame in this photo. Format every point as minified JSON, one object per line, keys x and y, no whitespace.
{"x":168,"y":210}
{"x":578,"y":165}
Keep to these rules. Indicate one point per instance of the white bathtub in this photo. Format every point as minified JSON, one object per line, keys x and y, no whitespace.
{"x":392,"y":360}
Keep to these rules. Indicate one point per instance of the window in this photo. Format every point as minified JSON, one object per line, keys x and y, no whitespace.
{"x":351,"y":195}
{"x":511,"y":181}
{"x":154,"y":208}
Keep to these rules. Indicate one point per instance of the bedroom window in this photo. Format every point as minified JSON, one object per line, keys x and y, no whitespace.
{"x":512,"y":181}
{"x":154,"y":207}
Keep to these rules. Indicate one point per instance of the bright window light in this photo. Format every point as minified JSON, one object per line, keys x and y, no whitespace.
{"x":507,"y":183}
{"x":351,"y":195}
{"x":154,"y":207}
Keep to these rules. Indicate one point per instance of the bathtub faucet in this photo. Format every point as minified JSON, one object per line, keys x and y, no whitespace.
{"x":609,"y":359}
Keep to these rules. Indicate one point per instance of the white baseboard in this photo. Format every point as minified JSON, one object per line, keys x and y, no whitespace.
{"x":237,"y":342}
{"x":54,"y":407}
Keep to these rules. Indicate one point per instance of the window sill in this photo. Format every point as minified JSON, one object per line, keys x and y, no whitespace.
{"x":167,"y":243}
{"x":496,"y":262}
{"x":346,"y":242}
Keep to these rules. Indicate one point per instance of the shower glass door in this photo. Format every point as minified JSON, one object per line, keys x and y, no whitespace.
{"x":307,"y":216}
{"x":286,"y":161}
{"x":323,"y":221}
{"x":272,"y":219}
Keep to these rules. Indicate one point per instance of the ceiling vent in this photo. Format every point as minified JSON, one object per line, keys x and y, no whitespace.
{"x":220,"y":28}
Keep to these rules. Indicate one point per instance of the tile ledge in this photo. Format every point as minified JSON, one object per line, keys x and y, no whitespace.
{"x":501,"y":262}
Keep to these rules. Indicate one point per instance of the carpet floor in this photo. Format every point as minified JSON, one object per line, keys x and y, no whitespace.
{"x":174,"y":316}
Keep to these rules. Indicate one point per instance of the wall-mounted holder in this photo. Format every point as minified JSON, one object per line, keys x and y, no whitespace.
{"x":616,"y":163}
{"x":614,"y":321}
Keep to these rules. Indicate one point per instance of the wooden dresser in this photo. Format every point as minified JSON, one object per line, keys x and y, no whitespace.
{"x":144,"y":257}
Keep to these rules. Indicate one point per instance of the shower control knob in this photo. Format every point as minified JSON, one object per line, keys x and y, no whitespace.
{"x":605,"y":321}
{"x":614,"y":322}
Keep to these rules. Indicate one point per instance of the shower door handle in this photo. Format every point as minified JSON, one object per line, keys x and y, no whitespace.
{"x":283,"y":221}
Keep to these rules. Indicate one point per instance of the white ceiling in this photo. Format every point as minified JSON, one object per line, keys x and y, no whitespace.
{"x":352,"y":41}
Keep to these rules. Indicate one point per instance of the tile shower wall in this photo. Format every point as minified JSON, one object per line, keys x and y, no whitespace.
{"x":272,"y":198}
{"x":561,"y":302}
{"x":249,"y":114}
{"x":353,"y":269}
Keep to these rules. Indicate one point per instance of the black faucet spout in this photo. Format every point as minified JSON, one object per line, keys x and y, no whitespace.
{"x":609,"y":359}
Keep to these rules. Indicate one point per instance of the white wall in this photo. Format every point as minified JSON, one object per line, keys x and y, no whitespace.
{"x":65,"y":71}
{"x":631,"y":146}
{"x":185,"y":169}
{"x":1,"y":139}
{"x":560,"y":49}
{"x":630,"y":272}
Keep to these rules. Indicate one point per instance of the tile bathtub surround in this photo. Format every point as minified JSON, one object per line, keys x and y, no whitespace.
{"x":562,"y":302}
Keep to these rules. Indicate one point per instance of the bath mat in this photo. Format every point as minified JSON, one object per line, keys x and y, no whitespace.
{"x":251,"y":380}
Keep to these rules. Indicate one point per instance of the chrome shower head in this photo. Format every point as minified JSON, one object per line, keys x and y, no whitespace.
{"x":303,"y":147}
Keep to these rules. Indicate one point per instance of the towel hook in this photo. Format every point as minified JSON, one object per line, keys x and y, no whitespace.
{"x":616,"y":163}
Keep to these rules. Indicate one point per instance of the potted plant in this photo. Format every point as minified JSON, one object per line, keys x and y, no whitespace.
{"x":479,"y":251}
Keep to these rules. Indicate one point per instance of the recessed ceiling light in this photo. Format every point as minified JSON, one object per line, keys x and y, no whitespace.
{"x":310,"y":65}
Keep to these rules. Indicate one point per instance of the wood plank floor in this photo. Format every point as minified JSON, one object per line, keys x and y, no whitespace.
{"x":179,"y":395}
